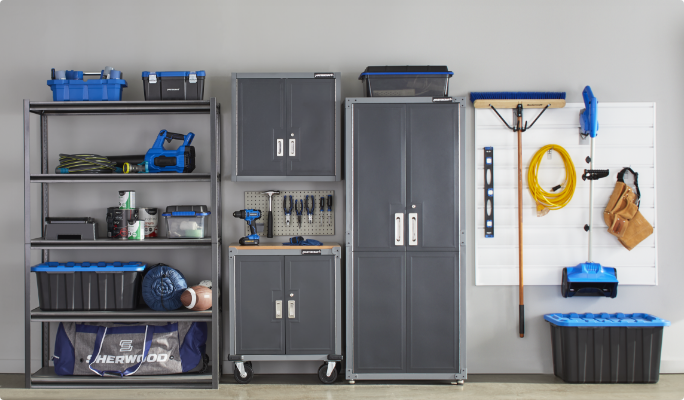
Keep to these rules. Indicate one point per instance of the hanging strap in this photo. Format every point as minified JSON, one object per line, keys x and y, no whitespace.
{"x":621,"y":178}
{"x":101,"y":333}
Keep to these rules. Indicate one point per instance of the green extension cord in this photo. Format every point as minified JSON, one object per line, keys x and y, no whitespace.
{"x":84,"y":164}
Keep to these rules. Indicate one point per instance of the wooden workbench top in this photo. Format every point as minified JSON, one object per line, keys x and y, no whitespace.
{"x":277,"y":246}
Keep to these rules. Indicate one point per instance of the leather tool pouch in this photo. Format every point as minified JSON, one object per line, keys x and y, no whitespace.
{"x":622,"y":213}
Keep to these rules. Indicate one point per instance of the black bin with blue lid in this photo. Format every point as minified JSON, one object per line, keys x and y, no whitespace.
{"x":406,"y":81}
{"x":100,"y":286}
{"x":606,"y":348}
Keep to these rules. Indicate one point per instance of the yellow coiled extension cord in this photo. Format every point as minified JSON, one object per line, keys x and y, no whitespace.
{"x":551,"y":200}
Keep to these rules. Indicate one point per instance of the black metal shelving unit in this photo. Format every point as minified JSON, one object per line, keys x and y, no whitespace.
{"x":45,"y":377}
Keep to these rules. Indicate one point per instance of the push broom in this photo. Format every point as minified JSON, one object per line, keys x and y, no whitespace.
{"x":519,"y":101}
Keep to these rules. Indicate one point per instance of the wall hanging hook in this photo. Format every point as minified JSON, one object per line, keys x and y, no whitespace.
{"x":518,"y":127}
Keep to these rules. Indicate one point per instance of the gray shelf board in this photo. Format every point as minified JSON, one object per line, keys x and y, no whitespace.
{"x":160,"y":177}
{"x":105,"y":243}
{"x":141,"y":314}
{"x":119,"y":107}
{"x":47,"y":375}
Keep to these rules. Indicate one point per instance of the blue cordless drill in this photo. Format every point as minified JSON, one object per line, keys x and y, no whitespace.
{"x":250,"y":216}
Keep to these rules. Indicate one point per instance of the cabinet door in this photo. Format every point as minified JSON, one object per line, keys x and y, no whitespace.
{"x":432,"y":315}
{"x":432,"y":177}
{"x":310,"y":286}
{"x":310,"y":127}
{"x":261,"y":146}
{"x":379,"y":177}
{"x":379,"y":318}
{"x":258,"y":285}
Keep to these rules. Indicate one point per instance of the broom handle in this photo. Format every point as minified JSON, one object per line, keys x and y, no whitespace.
{"x":520,"y":228}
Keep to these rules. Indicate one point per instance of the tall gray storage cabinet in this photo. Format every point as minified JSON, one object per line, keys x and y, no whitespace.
{"x":286,"y":127}
{"x":405,"y":239}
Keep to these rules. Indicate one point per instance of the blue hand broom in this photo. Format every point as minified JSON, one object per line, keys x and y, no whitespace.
{"x":519,"y":101}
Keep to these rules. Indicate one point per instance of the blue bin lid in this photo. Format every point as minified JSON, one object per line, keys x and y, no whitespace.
{"x":605,"y":320}
{"x":185,"y":214}
{"x":117,"y":266}
{"x":146,"y":74}
{"x":88,"y":82}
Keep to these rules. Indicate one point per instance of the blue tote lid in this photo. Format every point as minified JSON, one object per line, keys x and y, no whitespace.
{"x":605,"y":320}
{"x":117,"y":266}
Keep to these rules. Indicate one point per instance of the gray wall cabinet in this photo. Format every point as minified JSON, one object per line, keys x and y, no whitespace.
{"x":405,"y":239}
{"x":284,"y":305}
{"x":286,"y":127}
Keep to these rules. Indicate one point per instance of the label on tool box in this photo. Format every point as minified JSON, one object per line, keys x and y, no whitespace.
{"x":311,"y":252}
{"x":323,"y":75}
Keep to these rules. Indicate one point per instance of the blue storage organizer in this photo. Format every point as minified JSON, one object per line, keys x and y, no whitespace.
{"x":606,"y":348}
{"x":70,"y":86}
{"x":100,"y":286}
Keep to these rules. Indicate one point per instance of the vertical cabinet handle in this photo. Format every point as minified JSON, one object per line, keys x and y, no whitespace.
{"x":279,"y":308}
{"x":292,"y":147}
{"x":279,"y":150}
{"x":290,"y":308}
{"x":413,"y":229}
{"x":399,"y":229}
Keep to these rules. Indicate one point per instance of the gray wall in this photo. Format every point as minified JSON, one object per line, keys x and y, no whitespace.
{"x":627,"y":50}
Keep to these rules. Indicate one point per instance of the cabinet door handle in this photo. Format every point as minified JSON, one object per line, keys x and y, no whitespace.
{"x":279,"y":308}
{"x":290,"y":308}
{"x":413,"y":229}
{"x":292,"y":147}
{"x":399,"y":229}
{"x":279,"y":150}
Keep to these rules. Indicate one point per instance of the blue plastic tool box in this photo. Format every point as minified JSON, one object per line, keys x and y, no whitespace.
{"x":174,"y":85}
{"x":406,"y":80}
{"x":70,"y":86}
{"x":606,"y":348}
{"x":98,"y":286}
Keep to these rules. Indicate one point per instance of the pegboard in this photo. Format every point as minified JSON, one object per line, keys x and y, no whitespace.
{"x":626,"y":137}
{"x":259,"y":201}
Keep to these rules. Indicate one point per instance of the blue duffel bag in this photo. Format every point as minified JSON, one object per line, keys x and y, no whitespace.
{"x":127,"y":349}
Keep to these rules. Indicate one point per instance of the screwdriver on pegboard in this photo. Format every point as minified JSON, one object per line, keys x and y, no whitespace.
{"x":330,"y":203}
{"x":321,"y":203}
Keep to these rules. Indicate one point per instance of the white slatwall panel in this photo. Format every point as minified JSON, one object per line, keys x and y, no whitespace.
{"x":626,"y":137}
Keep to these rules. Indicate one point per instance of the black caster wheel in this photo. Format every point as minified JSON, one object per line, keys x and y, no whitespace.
{"x":250,"y":365}
{"x":239,"y":378}
{"x":323,"y":370}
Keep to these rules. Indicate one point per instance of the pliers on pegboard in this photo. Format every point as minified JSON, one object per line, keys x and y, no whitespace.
{"x":298,"y":211}
{"x":309,"y":211}
{"x":287,"y":211}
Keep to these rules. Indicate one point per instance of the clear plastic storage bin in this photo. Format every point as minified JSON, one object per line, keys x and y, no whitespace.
{"x":185,"y":222}
{"x":406,"y":81}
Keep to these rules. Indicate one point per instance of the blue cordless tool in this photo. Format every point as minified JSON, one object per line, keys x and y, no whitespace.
{"x":590,"y":278}
{"x":287,"y":211}
{"x":298,"y":211}
{"x":250,"y":216}
{"x":159,"y":159}
{"x":309,"y":211}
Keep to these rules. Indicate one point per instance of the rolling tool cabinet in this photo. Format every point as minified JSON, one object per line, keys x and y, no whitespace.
{"x":46,"y":377}
{"x":286,"y":127}
{"x":285,"y":304}
{"x":405,"y":239}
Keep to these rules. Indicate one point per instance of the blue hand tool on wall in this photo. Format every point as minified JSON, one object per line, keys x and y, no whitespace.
{"x":309,"y":211}
{"x":287,"y":211}
{"x":250,"y":216}
{"x":298,"y":211}
{"x":590,"y":278}
{"x":320,"y":214}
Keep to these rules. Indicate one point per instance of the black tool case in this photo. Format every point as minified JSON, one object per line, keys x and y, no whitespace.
{"x":174,"y":85}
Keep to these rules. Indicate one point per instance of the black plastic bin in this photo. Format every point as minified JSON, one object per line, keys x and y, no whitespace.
{"x":406,"y":81}
{"x":606,"y":348}
{"x":174,"y":85}
{"x":88,"y":286}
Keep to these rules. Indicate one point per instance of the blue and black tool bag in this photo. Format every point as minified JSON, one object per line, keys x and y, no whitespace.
{"x":126,"y":349}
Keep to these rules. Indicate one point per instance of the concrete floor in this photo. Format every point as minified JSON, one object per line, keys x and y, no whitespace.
{"x":671,"y":386}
